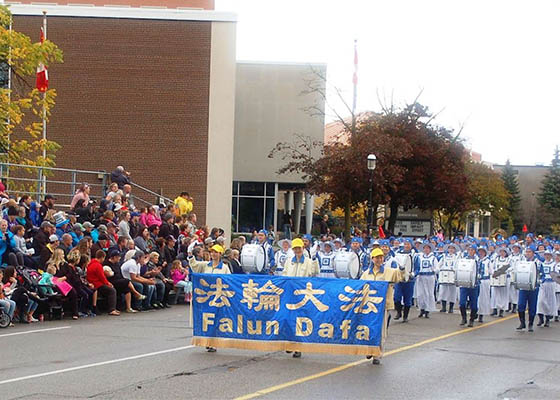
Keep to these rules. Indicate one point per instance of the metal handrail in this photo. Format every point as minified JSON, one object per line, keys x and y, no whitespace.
{"x":56,"y":169}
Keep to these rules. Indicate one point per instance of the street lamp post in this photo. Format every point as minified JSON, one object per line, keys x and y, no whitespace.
{"x":371,"y":164}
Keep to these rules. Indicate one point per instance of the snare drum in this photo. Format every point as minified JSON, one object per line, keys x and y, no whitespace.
{"x":347,"y":265}
{"x":525,"y":275}
{"x":447,"y":272}
{"x":466,"y":273}
{"x":405,"y":260}
{"x":253,"y":259}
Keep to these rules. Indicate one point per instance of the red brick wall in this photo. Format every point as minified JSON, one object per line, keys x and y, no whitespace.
{"x":132,"y":93}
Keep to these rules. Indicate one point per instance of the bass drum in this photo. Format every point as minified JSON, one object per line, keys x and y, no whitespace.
{"x":253,"y":259}
{"x":347,"y":265}
{"x":525,"y":275}
{"x":447,"y":277}
{"x":405,"y":260}
{"x":466,"y":273}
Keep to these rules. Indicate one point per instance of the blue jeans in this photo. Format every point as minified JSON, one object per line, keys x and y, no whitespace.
{"x":472,"y":295}
{"x":146,"y":290}
{"x":186,"y":285}
{"x":404,"y":291}
{"x":287,"y":231}
{"x":9,"y":307}
{"x":528,"y":297}
{"x":32,"y":306}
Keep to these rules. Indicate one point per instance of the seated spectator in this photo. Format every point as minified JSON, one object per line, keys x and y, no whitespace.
{"x":89,"y":230}
{"x":84,"y":210}
{"x":47,"y":211}
{"x":134,"y":224}
{"x":232,"y":256}
{"x":112,"y":192}
{"x":23,"y":220}
{"x":141,"y":241}
{"x":23,"y":254}
{"x":120,"y":177}
{"x":163,"y":283}
{"x":48,"y":251}
{"x":9,"y":306}
{"x":26,"y":301}
{"x":152,"y":217}
{"x":81,"y":300}
{"x":82,"y":193}
{"x":77,"y":233}
{"x":115,"y":264}
{"x":46,"y":283}
{"x":57,"y":259}
{"x":167,"y":227}
{"x":96,"y":276}
{"x":66,"y":243}
{"x":131,"y":271}
{"x":124,"y":227}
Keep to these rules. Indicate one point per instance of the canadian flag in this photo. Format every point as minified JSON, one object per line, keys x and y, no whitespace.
{"x":42,"y":83}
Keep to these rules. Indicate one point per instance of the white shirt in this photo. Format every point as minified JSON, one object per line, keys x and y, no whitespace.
{"x":131,"y":266}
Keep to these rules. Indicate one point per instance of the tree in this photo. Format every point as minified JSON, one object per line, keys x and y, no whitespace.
{"x":549,"y":196}
{"x":515,"y":221}
{"x":21,"y":107}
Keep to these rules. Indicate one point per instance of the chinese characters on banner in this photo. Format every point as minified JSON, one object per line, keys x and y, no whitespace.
{"x":274,"y":313}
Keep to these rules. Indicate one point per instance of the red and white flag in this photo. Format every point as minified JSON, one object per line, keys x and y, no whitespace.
{"x":42,"y":83}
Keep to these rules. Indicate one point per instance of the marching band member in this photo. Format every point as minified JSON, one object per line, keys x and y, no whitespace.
{"x":387,"y":252}
{"x":557,"y":270}
{"x":515,"y":257}
{"x":283,"y":254}
{"x":378,"y":271}
{"x":404,"y":290}
{"x":325,"y":256}
{"x":448,"y":291}
{"x":338,"y":245}
{"x":470,"y":294}
{"x":356,"y":247}
{"x":546,"y":303}
{"x":262,"y":240}
{"x":528,"y":297}
{"x":425,"y":269}
{"x":499,"y":294}
{"x":300,"y":265}
{"x":485,"y":265}
{"x":307,"y":246}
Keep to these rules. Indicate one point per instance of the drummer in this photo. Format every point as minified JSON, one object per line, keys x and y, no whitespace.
{"x":546,"y":303}
{"x":338,"y":245}
{"x":262,"y":240}
{"x":529,"y":297}
{"x":499,"y":294}
{"x":325,"y":256}
{"x":404,"y":290}
{"x":485,"y":265}
{"x":378,"y":271}
{"x":356,"y":247}
{"x":516,"y":256}
{"x":300,"y":265}
{"x":470,"y":294}
{"x":284,"y":253}
{"x":447,"y":292}
{"x":557,"y":270}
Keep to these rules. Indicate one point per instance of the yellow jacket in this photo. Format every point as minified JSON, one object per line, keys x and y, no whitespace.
{"x":388,"y":274}
{"x":303,"y":267}
{"x":185,"y":206}
{"x":205,"y":267}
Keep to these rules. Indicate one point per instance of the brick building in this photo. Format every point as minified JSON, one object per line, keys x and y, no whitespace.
{"x":150,"y":89}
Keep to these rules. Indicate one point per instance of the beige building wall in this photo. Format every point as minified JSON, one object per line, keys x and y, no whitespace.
{"x":270,"y":108}
{"x":221,"y":125}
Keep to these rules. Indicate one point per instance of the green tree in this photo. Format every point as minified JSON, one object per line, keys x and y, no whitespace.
{"x":511,"y":184}
{"x":549,"y":196}
{"x":21,"y":107}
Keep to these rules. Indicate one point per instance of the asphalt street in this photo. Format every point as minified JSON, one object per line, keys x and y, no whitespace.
{"x":148,"y":356}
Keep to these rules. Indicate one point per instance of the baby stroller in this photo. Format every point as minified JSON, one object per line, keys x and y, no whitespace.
{"x":4,"y":319}
{"x":52,"y":305}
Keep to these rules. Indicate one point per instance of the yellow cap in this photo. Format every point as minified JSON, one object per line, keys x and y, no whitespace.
{"x":217,"y":248}
{"x":297,"y":243}
{"x":376,"y":253}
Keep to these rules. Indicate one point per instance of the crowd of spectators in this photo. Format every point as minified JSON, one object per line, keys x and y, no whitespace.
{"x":98,"y":254}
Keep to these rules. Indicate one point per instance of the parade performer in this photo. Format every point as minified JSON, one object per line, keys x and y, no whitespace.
{"x":300,"y":265}
{"x":425,"y":269}
{"x":447,"y":292}
{"x":528,"y":298}
{"x":557,"y":270}
{"x":470,"y":294}
{"x":485,"y":265}
{"x":516,"y":256}
{"x":356,"y":247}
{"x":282,"y":255}
{"x":546,"y":303}
{"x":404,"y":290}
{"x":499,"y":295}
{"x":262,"y":240}
{"x":325,"y":256}
{"x":379,"y":271}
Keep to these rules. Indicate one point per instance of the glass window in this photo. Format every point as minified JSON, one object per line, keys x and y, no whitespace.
{"x":251,"y":188}
{"x":234,"y":215}
{"x":4,"y":73}
{"x":270,"y":189}
{"x":269,"y":214}
{"x":251,"y":212}
{"x":235,"y":187}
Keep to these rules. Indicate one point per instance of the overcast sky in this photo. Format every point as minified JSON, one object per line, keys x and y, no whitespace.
{"x":492,"y":65}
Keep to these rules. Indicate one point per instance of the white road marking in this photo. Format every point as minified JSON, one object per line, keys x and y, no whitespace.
{"x":98,"y":364}
{"x":35,"y":331}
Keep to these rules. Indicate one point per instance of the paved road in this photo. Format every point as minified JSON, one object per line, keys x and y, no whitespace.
{"x":148,"y":356}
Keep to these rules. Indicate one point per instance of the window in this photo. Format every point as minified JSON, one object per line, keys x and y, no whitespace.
{"x":253,"y":206}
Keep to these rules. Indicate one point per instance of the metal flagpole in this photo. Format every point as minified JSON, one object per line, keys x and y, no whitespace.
{"x":355,"y":83}
{"x":44,"y":178}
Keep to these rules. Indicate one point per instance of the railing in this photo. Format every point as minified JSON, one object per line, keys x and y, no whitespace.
{"x":63,"y":182}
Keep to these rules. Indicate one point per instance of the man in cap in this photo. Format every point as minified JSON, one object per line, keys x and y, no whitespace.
{"x":300,"y":265}
{"x":378,"y":271}
{"x":48,"y":250}
{"x":131,"y":270}
{"x":262,"y":241}
{"x":46,"y":212}
{"x":41,"y":239}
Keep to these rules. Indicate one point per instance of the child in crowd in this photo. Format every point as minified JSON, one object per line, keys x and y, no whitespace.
{"x":180,"y":278}
{"x":46,"y":283}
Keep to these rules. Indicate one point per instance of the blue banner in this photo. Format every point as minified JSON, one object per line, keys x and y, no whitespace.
{"x":273,"y":313}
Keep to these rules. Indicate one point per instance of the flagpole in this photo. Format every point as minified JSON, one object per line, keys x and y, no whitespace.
{"x":355,"y":84}
{"x":44,"y":178}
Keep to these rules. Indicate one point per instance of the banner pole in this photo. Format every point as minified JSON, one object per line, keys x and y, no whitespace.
{"x":191,"y":314}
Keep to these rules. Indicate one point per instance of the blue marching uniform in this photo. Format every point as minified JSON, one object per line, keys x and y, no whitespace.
{"x":326,"y":264}
{"x":528,"y":299}
{"x":404,"y":292}
{"x":470,"y":295}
